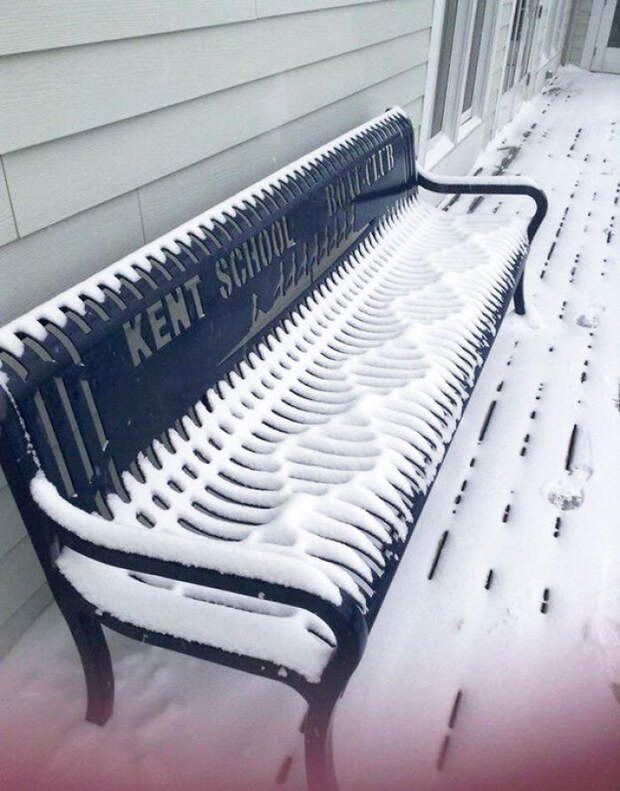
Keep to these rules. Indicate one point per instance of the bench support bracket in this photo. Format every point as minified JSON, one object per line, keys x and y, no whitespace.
{"x":519,"y":298}
{"x":320,"y":771}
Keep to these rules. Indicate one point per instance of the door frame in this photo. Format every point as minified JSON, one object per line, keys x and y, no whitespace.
{"x":509,"y":101}
{"x":590,"y":52}
{"x":454,"y":148}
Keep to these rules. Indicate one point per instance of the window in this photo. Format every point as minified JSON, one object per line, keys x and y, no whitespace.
{"x":474,"y":56}
{"x":552,"y":19}
{"x":529,"y":39}
{"x":462,"y":63}
{"x":445,"y":58}
{"x":614,"y":31}
{"x":513,"y":49}
{"x":560,"y":21}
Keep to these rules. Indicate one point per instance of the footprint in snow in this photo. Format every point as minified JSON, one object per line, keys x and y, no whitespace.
{"x":566,"y":492}
{"x":591,"y":316}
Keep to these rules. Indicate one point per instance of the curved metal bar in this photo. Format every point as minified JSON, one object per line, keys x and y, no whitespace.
{"x":346,"y":620}
{"x":96,"y":664}
{"x":498,"y":185}
{"x":320,"y":770}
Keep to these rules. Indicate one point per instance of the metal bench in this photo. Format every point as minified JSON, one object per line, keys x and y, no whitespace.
{"x":221,"y":444}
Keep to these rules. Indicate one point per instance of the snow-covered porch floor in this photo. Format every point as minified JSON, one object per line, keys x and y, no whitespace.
{"x":500,"y":671}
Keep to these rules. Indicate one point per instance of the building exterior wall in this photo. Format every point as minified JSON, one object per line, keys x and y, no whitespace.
{"x":550,"y":19}
{"x":122,"y":120}
{"x":551,"y":41}
{"x":578,"y":31}
{"x":500,"y":50}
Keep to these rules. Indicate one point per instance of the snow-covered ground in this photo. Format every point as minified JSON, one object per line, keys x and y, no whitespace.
{"x":503,"y":670}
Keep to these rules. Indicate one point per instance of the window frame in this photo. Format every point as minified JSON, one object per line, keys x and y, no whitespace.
{"x":472,"y":110}
{"x":548,"y":49}
{"x":456,"y":123}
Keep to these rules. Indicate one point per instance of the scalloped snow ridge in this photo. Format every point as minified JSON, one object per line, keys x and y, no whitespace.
{"x":318,"y":449}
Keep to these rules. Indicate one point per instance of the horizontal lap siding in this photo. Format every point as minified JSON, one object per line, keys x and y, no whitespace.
{"x":124,"y":122}
{"x":276,"y":7}
{"x":60,"y":92}
{"x":20,"y":577}
{"x":8,"y":231}
{"x":92,"y":167}
{"x":13,"y":529}
{"x":14,"y":627}
{"x":48,"y":24}
{"x":40,"y":265}
{"x":170,"y":200}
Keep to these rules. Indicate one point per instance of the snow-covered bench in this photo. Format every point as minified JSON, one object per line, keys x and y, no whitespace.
{"x":221,"y":444}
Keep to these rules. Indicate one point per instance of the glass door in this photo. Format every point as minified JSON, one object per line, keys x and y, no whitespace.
{"x":516,"y":73}
{"x":607,"y":51}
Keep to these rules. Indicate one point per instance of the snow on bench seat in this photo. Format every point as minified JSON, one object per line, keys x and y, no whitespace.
{"x":315,"y":454}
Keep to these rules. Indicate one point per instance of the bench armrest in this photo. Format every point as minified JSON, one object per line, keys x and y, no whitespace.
{"x":248,"y":571}
{"x":496,"y":185}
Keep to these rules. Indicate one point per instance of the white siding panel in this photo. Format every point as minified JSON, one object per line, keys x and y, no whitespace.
{"x":8,"y":232}
{"x":16,"y":625}
{"x":46,"y":24}
{"x":20,"y":576}
{"x":55,"y":93}
{"x":55,"y":180}
{"x":42,"y":264}
{"x":414,"y":111}
{"x":172,"y":200}
{"x":12,"y":528}
{"x":277,"y":7}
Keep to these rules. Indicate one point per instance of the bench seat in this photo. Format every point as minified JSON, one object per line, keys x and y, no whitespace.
{"x":318,"y":450}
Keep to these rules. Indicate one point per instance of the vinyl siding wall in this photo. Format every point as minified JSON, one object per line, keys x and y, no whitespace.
{"x":121,"y":120}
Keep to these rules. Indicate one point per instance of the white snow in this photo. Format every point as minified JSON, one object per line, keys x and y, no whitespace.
{"x":205,"y":553}
{"x":567,"y":492}
{"x":539,"y":690}
{"x":267,"y":631}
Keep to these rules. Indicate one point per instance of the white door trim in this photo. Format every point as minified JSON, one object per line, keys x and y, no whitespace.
{"x":431,"y":77}
{"x":606,"y":58}
{"x":456,"y":127}
{"x":594,"y":24}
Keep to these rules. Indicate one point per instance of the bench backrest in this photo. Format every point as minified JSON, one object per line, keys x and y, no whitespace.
{"x":96,"y":374}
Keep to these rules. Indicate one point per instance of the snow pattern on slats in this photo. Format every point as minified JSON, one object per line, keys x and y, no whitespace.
{"x":340,"y":419}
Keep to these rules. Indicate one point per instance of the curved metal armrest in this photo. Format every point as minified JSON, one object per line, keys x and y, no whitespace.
{"x":235,"y":568}
{"x":497,"y":185}
{"x":344,"y":618}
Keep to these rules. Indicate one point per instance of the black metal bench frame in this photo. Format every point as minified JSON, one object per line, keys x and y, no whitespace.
{"x":325,"y":193}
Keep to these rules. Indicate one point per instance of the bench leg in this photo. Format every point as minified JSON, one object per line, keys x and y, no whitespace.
{"x":93,"y":650}
{"x":519,"y":298}
{"x":320,"y":771}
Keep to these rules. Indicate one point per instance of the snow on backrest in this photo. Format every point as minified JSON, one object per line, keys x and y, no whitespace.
{"x":103,"y":369}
